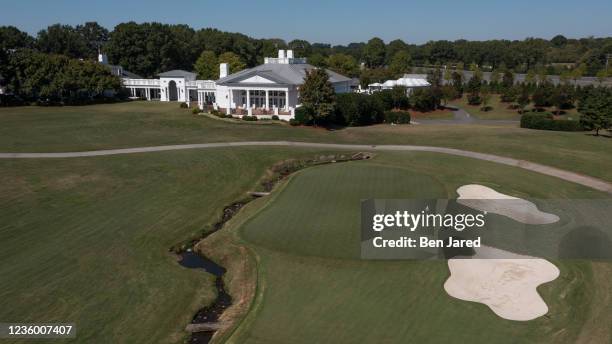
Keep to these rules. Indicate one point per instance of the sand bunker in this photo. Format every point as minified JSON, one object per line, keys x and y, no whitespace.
{"x":483,"y":198}
{"x":504,"y":281}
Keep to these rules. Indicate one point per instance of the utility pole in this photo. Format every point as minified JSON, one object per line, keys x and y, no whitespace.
{"x":608,"y":57}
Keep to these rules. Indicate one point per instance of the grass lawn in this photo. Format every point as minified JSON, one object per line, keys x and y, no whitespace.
{"x":437,"y":114}
{"x":502,"y":111}
{"x":46,"y":129}
{"x":86,"y":240}
{"x":312,"y":287}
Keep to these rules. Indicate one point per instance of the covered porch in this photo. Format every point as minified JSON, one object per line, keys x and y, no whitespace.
{"x":262,"y":101}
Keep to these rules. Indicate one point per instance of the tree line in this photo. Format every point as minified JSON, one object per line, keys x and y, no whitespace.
{"x":320,"y":105}
{"x":151,"y":48}
{"x":52,"y":79}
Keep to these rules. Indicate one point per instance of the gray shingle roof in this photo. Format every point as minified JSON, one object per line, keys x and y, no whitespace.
{"x":285,"y":74}
{"x":178,"y":73}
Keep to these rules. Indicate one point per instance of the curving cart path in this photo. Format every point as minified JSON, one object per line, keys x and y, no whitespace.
{"x":590,"y":182}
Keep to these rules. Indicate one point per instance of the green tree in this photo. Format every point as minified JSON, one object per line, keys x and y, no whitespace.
{"x":236,"y":64}
{"x":374,"y":53}
{"x":94,"y":36}
{"x":458,"y":83}
{"x":317,"y":60}
{"x":207,"y":66}
{"x":400,"y":63}
{"x":317,"y":94}
{"x":399,"y":98}
{"x":448,"y":93}
{"x":531,"y":77}
{"x":300,"y":47}
{"x":596,"y":110}
{"x":542,"y":77}
{"x":343,"y":64}
{"x":601,"y":76}
{"x":508,"y":79}
{"x":578,"y":73}
{"x":495,"y":77}
{"x":62,"y":39}
{"x":448,"y":76}
{"x":523,"y":99}
{"x":473,"y":86}
{"x":12,"y":38}
{"x":394,"y":47}
{"x":485,"y":97}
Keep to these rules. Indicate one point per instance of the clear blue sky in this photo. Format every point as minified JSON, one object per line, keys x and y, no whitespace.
{"x":336,"y":22}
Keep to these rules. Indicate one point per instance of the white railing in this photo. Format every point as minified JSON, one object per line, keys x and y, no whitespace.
{"x":202,"y":84}
{"x":284,"y":60}
{"x":141,"y":82}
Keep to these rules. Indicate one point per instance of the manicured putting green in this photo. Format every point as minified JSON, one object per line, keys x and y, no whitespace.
{"x":319,"y":213}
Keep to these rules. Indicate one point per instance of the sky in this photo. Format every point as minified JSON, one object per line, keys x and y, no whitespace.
{"x":334,"y":21}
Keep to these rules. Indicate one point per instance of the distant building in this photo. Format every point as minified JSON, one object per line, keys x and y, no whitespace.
{"x":410,"y":81}
{"x":268,"y":89}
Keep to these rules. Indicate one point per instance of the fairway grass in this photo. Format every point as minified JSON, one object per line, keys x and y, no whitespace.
{"x":136,"y":124}
{"x":313,"y":287}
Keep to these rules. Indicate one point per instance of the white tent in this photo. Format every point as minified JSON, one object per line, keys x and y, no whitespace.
{"x":413,"y":82}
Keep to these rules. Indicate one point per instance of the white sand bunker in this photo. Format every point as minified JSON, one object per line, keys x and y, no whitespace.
{"x":483,"y":198}
{"x":504,"y":281}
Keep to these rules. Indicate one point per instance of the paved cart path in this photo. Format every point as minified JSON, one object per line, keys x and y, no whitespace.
{"x":591,"y":182}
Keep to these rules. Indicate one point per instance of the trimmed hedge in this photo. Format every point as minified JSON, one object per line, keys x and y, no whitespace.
{"x":397,"y":117}
{"x":547,"y":122}
{"x":249,"y":118}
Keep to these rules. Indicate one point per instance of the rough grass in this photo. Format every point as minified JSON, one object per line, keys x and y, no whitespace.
{"x":312,"y":287}
{"x":86,"y":240}
{"x":40,"y":129}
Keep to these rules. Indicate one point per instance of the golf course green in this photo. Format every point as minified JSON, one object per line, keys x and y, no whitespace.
{"x":87,"y":239}
{"x":313,"y":286}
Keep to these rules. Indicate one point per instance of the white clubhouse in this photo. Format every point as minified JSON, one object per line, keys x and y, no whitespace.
{"x":268,"y":89}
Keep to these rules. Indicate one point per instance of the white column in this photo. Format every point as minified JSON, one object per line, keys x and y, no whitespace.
{"x":229,"y":105}
{"x":200,"y":102}
{"x":148,"y":93}
{"x":267,"y":101}
{"x":287,"y":99}
{"x":248,"y":104}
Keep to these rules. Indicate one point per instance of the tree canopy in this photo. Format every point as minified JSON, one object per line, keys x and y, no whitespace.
{"x":317,"y":94}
